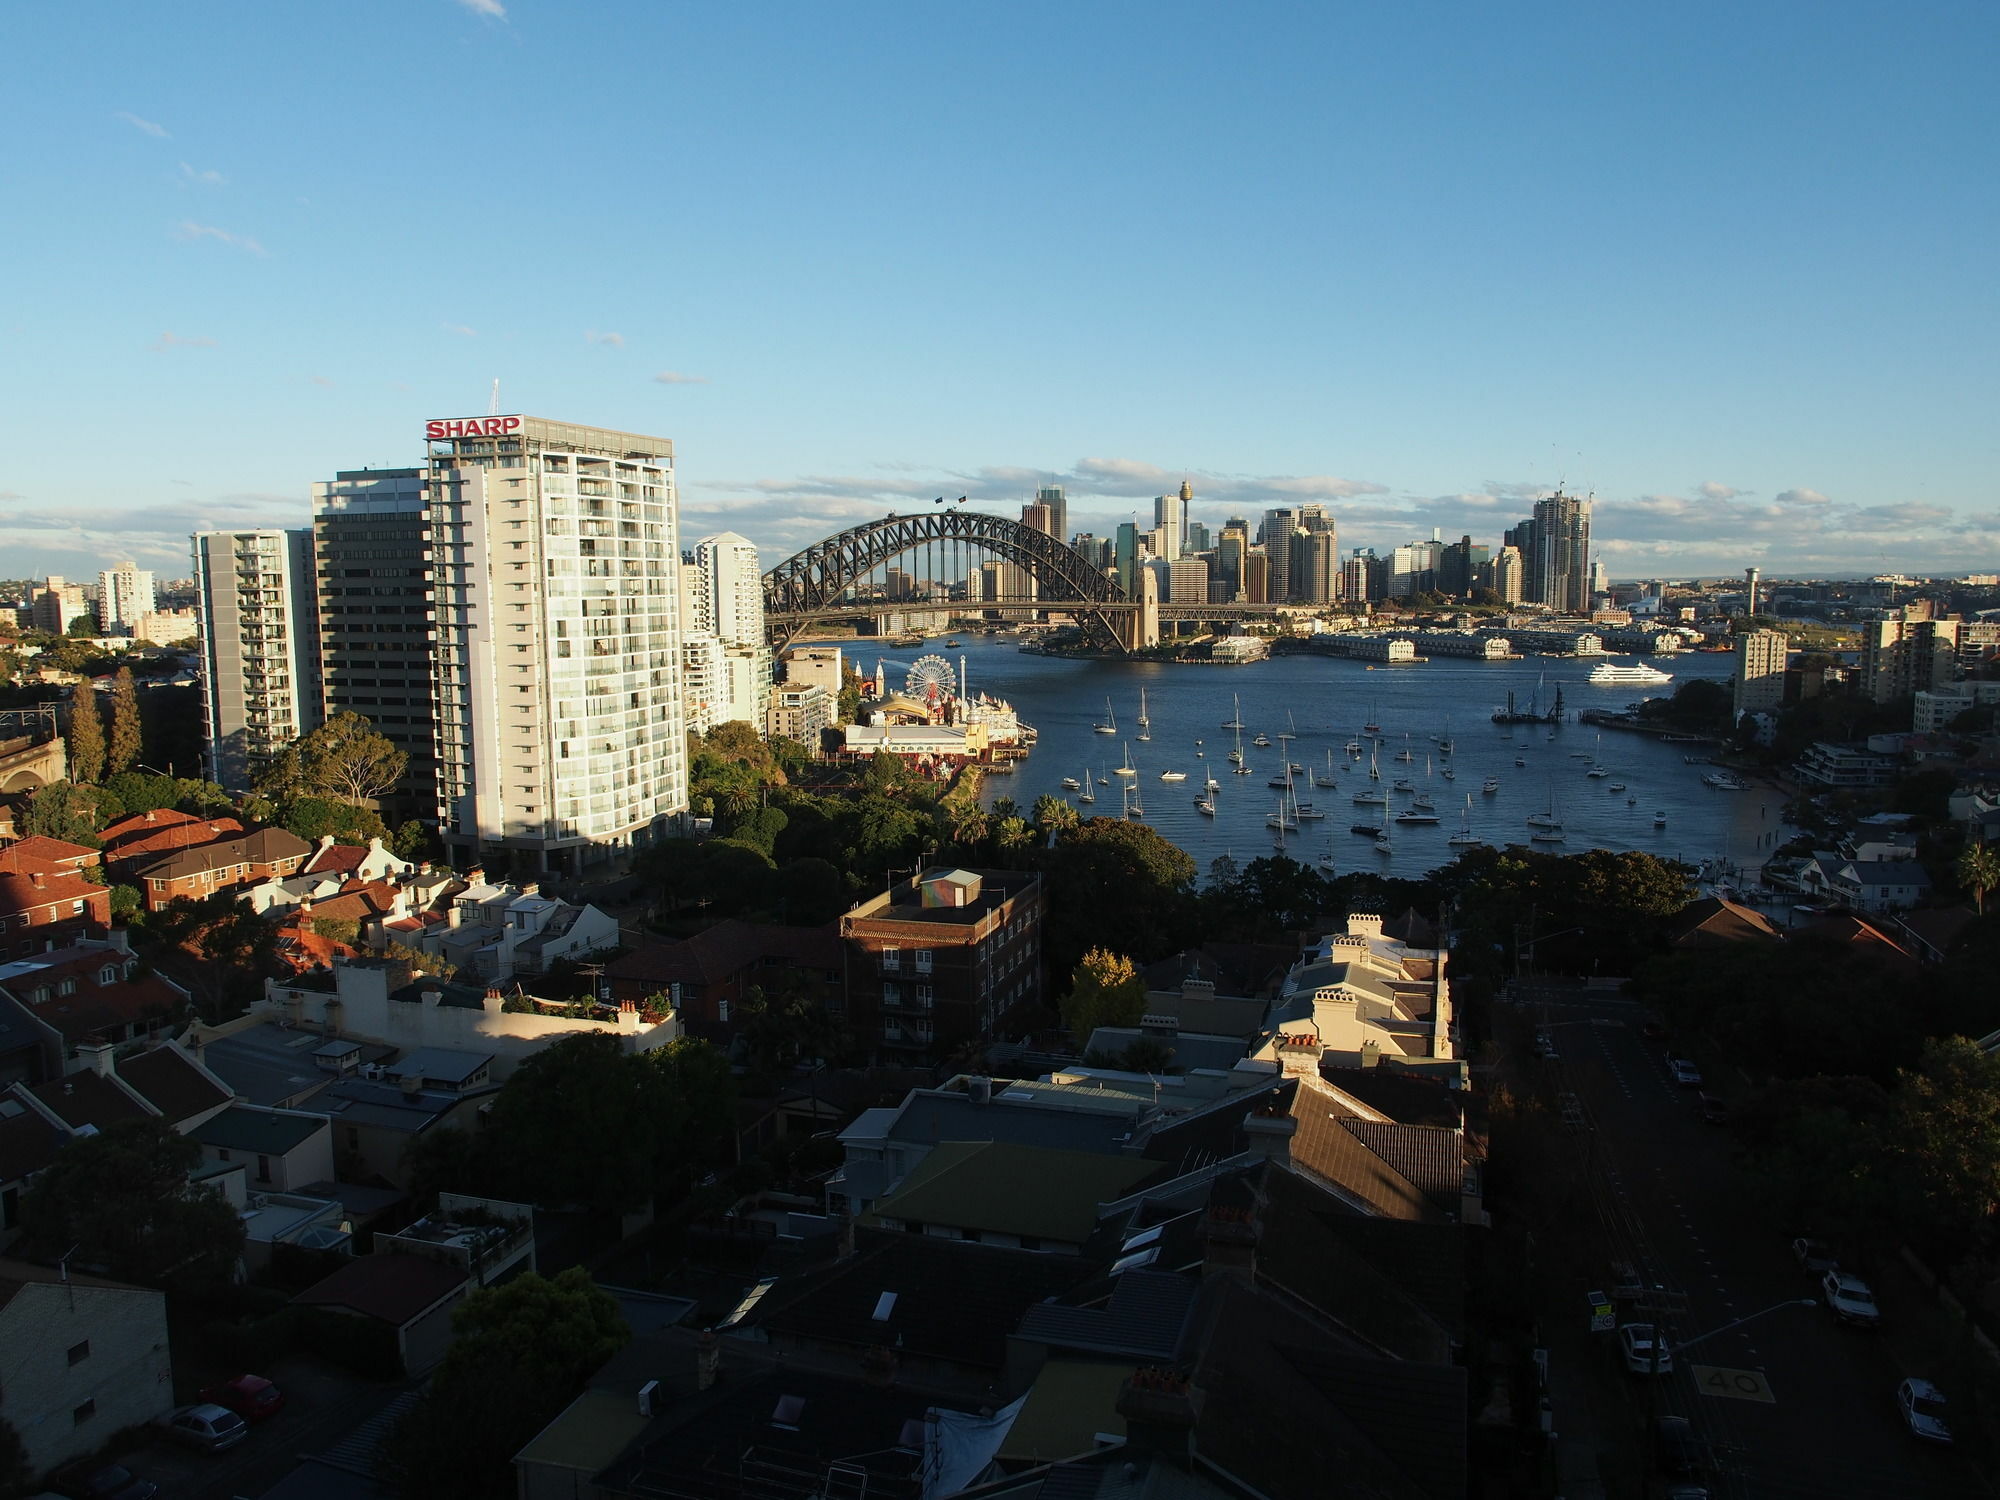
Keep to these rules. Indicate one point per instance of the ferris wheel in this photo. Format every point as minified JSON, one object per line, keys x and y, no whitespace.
{"x":931,"y":677}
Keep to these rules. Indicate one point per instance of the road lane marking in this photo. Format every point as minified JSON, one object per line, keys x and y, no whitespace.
{"x":1736,"y":1385}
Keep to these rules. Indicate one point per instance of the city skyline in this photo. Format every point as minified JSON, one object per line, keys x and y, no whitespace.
{"x":1724,"y":272}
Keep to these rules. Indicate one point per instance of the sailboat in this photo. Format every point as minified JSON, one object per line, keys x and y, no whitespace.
{"x":1236,"y":755}
{"x":1422,"y":800}
{"x":1291,"y":729}
{"x":1211,"y":784}
{"x":1205,"y":804}
{"x":1086,"y":795}
{"x":1374,"y":769}
{"x":1382,"y":838}
{"x":1127,"y":769}
{"x":1102,"y":778}
{"x":1548,"y":827}
{"x":1110,"y":724}
{"x":1465,"y":838}
{"x":1406,"y":753}
{"x":1326,"y":778}
{"x":1326,"y":859}
{"x":1235,"y":719}
{"x":1145,"y":724}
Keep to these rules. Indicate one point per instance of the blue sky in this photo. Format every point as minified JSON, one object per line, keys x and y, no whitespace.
{"x":1730,"y":267}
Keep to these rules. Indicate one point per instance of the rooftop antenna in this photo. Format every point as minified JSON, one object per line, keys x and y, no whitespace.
{"x":493,"y":402}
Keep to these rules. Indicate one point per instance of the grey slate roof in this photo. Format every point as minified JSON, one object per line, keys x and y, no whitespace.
{"x":267,"y":1063}
{"x":261,"y":1130}
{"x":1433,"y":1159}
{"x":1146,"y":1318}
{"x":928,"y":1119}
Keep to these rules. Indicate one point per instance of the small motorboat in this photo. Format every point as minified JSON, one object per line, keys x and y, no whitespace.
{"x":1262,"y":741}
{"x":1173,"y":776}
{"x":1071,"y":784}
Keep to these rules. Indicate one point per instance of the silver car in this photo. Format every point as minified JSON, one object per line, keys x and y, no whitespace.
{"x":1850,"y":1298}
{"x":206,"y":1426}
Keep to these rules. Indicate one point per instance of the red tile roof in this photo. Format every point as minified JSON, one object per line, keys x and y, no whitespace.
{"x":24,"y":891}
{"x":134,"y":825}
{"x":189,"y":833}
{"x":88,"y":1098}
{"x":93,"y":1005}
{"x":171,"y":1083}
{"x":37,"y":852}
{"x":336,"y":859}
{"x":393,"y":1288}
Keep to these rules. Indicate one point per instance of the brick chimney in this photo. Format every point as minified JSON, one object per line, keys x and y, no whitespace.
{"x":1229,"y":1236}
{"x":1161,"y":1409}
{"x":1269,"y":1134}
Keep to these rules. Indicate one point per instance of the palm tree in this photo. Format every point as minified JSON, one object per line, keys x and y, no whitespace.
{"x":1979,"y":872}
{"x":1053,"y":812}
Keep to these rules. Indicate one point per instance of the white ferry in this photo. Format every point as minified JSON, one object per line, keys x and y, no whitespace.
{"x":1610,"y":674}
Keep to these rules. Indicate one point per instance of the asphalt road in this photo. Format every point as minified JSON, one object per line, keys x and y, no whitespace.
{"x":1665,"y":1197}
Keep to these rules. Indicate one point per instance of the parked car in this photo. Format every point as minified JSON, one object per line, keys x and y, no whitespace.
{"x":1815,"y":1256}
{"x":1686,"y":1074}
{"x":204,"y":1425}
{"x":1675,"y":1448}
{"x":1645,"y":1350}
{"x":251,"y":1397}
{"x":1923,"y":1410}
{"x":1713,"y":1110}
{"x":1850,"y":1299}
{"x":113,"y":1482}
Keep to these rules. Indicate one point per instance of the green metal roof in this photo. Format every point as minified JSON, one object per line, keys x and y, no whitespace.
{"x":240,"y":1128}
{"x":998,"y":1187}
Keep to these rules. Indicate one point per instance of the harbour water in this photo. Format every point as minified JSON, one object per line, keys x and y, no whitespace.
{"x":1325,"y":702}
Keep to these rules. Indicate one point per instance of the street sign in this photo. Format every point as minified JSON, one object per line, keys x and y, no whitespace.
{"x":1603,"y":1315}
{"x":1736,"y":1385}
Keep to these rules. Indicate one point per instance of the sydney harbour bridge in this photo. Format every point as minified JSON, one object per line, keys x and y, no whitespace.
{"x":905,"y":564}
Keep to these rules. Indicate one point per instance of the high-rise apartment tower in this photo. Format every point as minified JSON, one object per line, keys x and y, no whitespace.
{"x":259,"y":630}
{"x":556,"y":569}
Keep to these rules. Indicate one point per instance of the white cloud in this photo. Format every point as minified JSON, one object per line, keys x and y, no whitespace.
{"x":674,"y":377}
{"x":200,"y":178}
{"x":615,"y":340}
{"x":181,"y":341}
{"x":491,"y":8}
{"x":12,"y":495}
{"x":148,"y":126}
{"x":1802,"y":497}
{"x":189,"y":230}
{"x":460,"y":328}
{"x":319,"y":380}
{"x":1709,"y":489}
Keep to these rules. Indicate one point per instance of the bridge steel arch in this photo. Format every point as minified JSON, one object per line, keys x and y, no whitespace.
{"x":814,"y":581}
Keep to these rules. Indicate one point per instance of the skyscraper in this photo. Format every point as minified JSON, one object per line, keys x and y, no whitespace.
{"x":259,"y":632}
{"x":1279,"y":526}
{"x":730,"y":586}
{"x":1128,"y":558}
{"x":1508,"y":574}
{"x":557,"y":576}
{"x":1318,"y":567}
{"x":1051,"y":495}
{"x":1038,"y":517}
{"x":371,"y":557}
{"x":1560,"y":565}
{"x":1759,"y":685}
{"x":124,"y":593}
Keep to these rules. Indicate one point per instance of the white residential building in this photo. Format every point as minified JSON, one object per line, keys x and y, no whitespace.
{"x":556,"y":572}
{"x":259,"y":622}
{"x":125,"y":593}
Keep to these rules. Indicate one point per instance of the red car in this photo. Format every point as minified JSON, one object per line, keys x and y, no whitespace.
{"x":251,"y":1397}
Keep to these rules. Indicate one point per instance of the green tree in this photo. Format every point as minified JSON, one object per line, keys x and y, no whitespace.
{"x":63,"y":810}
{"x":1110,"y":876}
{"x":141,"y":791}
{"x":1946,"y":1134}
{"x":521,"y":1353}
{"x":1978,"y":870}
{"x":1053,"y":812}
{"x":1105,"y":990}
{"x":580,"y":1089}
{"x":121,"y":1200}
{"x":344,"y":759}
{"x":86,"y":735}
{"x":125,"y":734}
{"x":690,"y":1095}
{"x":219,"y":952}
{"x":312,"y":818}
